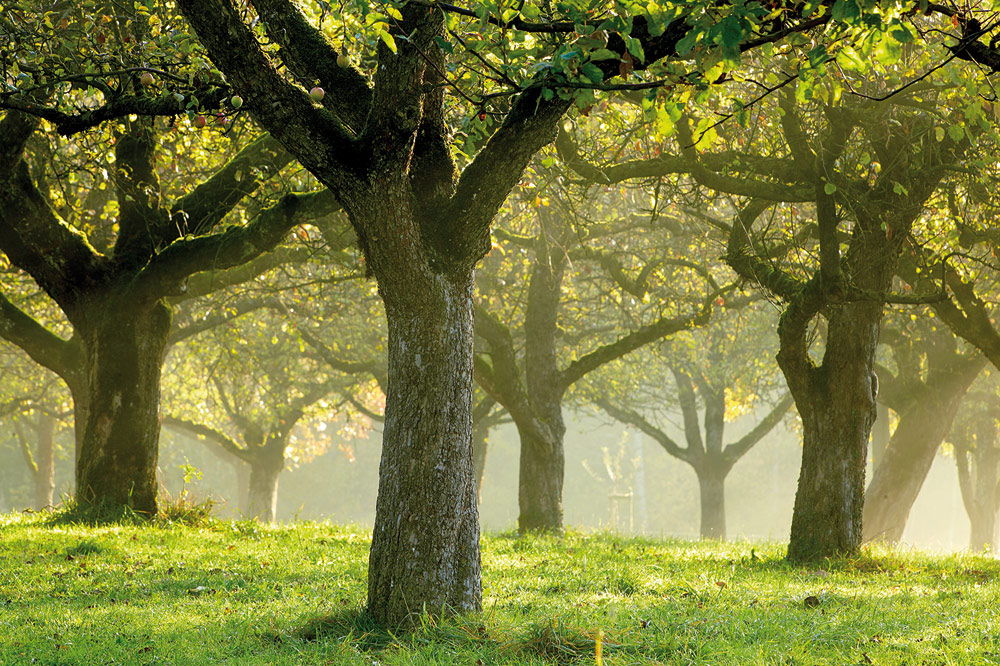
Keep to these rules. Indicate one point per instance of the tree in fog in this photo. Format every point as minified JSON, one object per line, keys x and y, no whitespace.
{"x":976,"y":446}
{"x":710,"y":376}
{"x":110,"y":226}
{"x":32,"y":404}
{"x":829,"y":194}
{"x":574,"y":285}
{"x":245,"y":388}
{"x":385,"y":150}
{"x":924,"y":380}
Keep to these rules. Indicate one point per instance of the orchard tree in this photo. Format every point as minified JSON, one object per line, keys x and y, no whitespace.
{"x":924,"y":381}
{"x":716,"y":374}
{"x":383,"y":147}
{"x":977,"y":456}
{"x":601,"y":280}
{"x":111,"y":261}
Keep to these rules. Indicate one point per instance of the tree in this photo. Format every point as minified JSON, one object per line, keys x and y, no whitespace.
{"x":727,"y":378}
{"x":384,"y":152}
{"x":540,"y":343}
{"x":931,"y":378}
{"x":111,"y":269}
{"x":977,"y":457}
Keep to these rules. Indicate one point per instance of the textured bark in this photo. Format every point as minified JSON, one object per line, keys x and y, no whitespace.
{"x":837,"y":410}
{"x":425,"y":546}
{"x":124,"y":347}
{"x":540,"y":482}
{"x":906,"y":461}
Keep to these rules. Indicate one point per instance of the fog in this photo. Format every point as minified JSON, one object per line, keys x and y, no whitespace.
{"x":759,"y":491}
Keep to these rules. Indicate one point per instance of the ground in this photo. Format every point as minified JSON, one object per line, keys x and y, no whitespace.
{"x":241,"y":593}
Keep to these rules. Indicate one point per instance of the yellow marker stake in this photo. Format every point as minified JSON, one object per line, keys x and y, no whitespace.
{"x":597,"y":647}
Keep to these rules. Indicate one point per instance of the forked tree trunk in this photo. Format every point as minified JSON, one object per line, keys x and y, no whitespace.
{"x":837,"y":410}
{"x":425,"y":545}
{"x":712,"y":484}
{"x":124,"y":348}
{"x":45,"y":477}
{"x":908,"y":457}
{"x":540,"y":481}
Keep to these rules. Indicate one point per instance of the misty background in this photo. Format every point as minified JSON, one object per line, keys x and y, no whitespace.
{"x":759,"y":491}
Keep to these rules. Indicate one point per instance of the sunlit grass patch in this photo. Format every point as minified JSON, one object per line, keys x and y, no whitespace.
{"x":245,"y":593}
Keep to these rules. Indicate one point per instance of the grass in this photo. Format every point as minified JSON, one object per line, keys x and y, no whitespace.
{"x":242,"y":593}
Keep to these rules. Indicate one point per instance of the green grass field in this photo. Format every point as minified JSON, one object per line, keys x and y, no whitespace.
{"x":241,"y":593}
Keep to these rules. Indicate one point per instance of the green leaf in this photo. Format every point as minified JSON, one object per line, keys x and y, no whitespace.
{"x":730,"y":33}
{"x":634,"y":47}
{"x":592,"y":72}
{"x":388,"y":40}
{"x":687,"y":42}
{"x":603,"y":54}
{"x":849,"y":59}
{"x":845,"y":11}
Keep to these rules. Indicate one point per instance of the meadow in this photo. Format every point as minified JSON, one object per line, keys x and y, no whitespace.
{"x":222,"y":592}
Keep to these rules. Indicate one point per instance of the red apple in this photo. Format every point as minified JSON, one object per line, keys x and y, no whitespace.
{"x":317,"y":94}
{"x":200,"y":121}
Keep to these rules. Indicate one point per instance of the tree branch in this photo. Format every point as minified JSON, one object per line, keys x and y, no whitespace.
{"x":310,"y":57}
{"x":733,"y":452}
{"x":200,"y":210}
{"x":166,"y":271}
{"x":636,"y":420}
{"x":204,"y":432}
{"x":649,"y":333}
{"x":42,"y":345}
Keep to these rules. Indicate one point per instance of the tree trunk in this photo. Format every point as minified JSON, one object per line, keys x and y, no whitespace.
{"x":984,"y":528}
{"x":262,"y":491}
{"x":242,"y":470}
{"x":123,"y":348}
{"x":480,"y":446}
{"x":983,"y":502}
{"x":910,"y":453}
{"x":45,"y":476}
{"x":542,"y":464}
{"x":425,"y":545}
{"x":712,"y":484}
{"x":541,"y":481}
{"x":837,"y":406}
